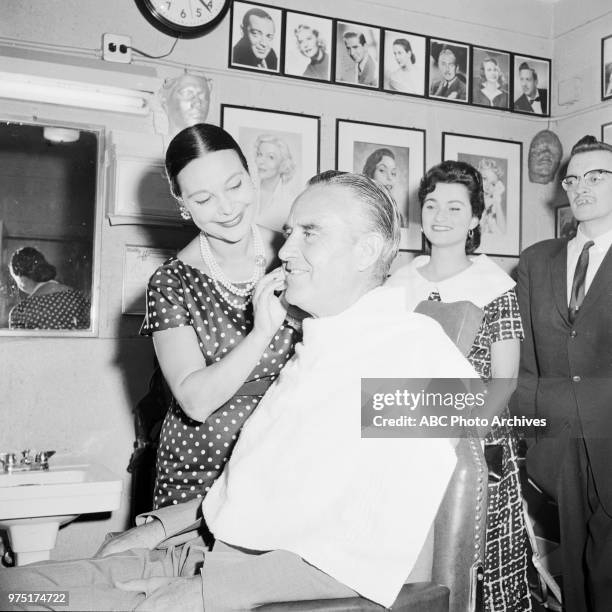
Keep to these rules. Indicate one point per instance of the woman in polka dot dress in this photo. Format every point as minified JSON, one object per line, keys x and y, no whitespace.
{"x":452,"y":202}
{"x":48,"y":304}
{"x":219,"y":330}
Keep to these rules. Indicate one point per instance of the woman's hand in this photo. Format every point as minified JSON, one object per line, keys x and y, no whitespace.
{"x":268,"y":309}
{"x":144,"y":536}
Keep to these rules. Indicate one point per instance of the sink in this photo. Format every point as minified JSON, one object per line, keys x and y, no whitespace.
{"x":34,"y":504}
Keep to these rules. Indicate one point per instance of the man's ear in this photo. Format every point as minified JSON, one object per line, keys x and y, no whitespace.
{"x":368,"y":250}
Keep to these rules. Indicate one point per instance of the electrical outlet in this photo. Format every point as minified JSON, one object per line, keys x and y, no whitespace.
{"x":116,"y":48}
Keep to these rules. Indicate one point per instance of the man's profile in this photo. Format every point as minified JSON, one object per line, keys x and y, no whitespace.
{"x":255,"y":46}
{"x":533,"y":99}
{"x":450,"y":85}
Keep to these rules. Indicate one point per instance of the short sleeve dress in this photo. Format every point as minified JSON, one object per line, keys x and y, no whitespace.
{"x":491,"y":289}
{"x":191,"y":455}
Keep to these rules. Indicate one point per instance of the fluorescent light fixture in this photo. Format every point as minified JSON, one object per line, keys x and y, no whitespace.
{"x":73,"y":93}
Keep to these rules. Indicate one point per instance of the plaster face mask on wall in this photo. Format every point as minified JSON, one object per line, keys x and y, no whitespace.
{"x":545,"y":154}
{"x":186,"y":100}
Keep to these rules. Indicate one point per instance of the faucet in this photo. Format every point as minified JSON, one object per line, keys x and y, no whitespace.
{"x":40,"y":461}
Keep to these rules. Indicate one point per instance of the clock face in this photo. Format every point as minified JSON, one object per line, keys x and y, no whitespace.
{"x":184,"y":18}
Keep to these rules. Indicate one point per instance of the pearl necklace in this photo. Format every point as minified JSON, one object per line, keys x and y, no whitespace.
{"x":224,"y":285}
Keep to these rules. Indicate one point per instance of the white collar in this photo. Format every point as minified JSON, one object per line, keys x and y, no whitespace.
{"x":480,"y":284}
{"x":602,"y":242}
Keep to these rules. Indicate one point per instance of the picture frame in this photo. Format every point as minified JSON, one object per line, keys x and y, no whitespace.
{"x":449,"y":71}
{"x":531,"y":81}
{"x":361,"y":147}
{"x":357,"y":62}
{"x":500,"y":163}
{"x":606,"y":68}
{"x":487,"y":90}
{"x":282,"y":151}
{"x":606,"y":133}
{"x":309,"y":46}
{"x":259,"y":48}
{"x":139,"y":263}
{"x":565,"y":223}
{"x":404,"y":63}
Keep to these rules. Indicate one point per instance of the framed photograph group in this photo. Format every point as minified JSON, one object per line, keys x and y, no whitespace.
{"x":392,"y":156}
{"x":282,"y":151}
{"x":302,"y":45}
{"x":500,"y":163}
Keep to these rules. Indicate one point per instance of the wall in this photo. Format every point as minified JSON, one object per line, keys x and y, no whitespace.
{"x":76,"y":395}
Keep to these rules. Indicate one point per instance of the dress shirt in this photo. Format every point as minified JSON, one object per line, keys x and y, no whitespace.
{"x":596,"y":254}
{"x":536,"y":105}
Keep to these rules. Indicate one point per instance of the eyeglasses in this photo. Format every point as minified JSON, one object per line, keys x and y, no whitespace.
{"x":590,"y":178}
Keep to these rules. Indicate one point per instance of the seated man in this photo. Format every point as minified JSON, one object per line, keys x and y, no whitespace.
{"x":306,"y":508}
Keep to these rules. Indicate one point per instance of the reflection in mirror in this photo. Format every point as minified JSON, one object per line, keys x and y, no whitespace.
{"x":47,"y":225}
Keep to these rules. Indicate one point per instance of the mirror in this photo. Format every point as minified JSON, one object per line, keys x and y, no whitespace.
{"x":50,"y":185}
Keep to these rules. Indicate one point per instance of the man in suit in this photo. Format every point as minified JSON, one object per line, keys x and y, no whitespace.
{"x":450,"y":86}
{"x":366,"y":69}
{"x":532,"y":100}
{"x":255,"y":46}
{"x":565,"y":297}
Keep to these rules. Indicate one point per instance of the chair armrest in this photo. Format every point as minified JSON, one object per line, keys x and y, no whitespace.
{"x":415,"y":597}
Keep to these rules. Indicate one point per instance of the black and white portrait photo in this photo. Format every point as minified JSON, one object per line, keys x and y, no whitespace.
{"x":490,"y":78}
{"x":531,"y":85}
{"x":404,"y":61}
{"x":606,"y":68}
{"x":357,"y":54}
{"x":256,"y":33}
{"x":308,"y":42}
{"x":448,"y":70}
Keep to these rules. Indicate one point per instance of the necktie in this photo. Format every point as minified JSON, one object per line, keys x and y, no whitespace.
{"x":534,"y":100}
{"x":577,"y":295}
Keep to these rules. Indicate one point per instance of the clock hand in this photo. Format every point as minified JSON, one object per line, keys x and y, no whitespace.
{"x":207,"y":5}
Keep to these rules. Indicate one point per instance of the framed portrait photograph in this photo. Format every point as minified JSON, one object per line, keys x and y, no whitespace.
{"x":449,"y":75}
{"x":308,"y":46}
{"x":404,"y":61}
{"x":393,"y":157}
{"x":500,"y":163}
{"x":490,"y":78}
{"x":606,"y":67}
{"x":357,"y":54}
{"x":282,"y":151}
{"x":565,"y":223}
{"x":255,"y":40}
{"x":606,"y":133}
{"x":531,"y":81}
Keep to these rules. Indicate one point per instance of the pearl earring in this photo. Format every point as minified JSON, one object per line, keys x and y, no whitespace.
{"x":185,"y":214}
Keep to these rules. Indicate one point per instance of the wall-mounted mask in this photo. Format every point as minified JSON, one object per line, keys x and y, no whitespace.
{"x":545,"y":153}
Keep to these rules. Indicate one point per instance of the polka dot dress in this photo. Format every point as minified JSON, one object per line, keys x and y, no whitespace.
{"x":59,"y":310}
{"x":506,"y":586}
{"x":191,"y":455}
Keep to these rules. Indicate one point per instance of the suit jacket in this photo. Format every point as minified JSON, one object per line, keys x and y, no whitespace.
{"x":457,"y":86}
{"x":522,"y":103}
{"x":369,"y":74}
{"x":566,"y":370}
{"x":243,"y":54}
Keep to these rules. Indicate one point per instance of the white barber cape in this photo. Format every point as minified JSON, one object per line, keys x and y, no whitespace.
{"x":302,"y":479}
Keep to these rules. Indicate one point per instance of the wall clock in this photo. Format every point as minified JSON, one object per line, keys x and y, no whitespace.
{"x":184,"y":18}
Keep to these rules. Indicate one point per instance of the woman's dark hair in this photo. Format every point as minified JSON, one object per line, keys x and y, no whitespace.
{"x":462,"y":174}
{"x":27,"y":261}
{"x":193,"y":142}
{"x":402,"y":42}
{"x":373,"y":159}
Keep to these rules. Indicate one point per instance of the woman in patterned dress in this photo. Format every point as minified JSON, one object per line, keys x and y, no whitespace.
{"x":452,"y":202}
{"x":48,"y":304}
{"x":219,"y":330}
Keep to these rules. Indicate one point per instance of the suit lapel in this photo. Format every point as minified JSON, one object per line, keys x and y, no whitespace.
{"x":558,"y":276}
{"x":602,"y":282}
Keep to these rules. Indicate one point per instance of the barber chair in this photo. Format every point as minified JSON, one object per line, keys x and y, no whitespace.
{"x":457,"y":567}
